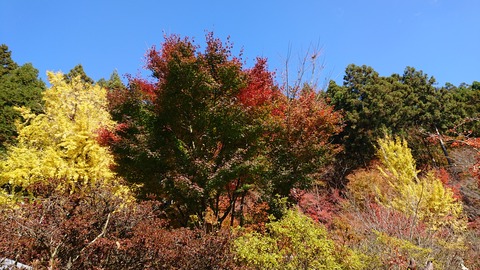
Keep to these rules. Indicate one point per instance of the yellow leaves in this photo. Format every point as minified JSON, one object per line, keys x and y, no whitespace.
{"x":258,"y":252}
{"x":5,"y":198}
{"x":367,"y":185}
{"x":391,"y":247}
{"x":62,"y":142}
{"x":424,"y":198}
{"x":293,"y":242}
{"x":403,"y":214}
{"x":439,"y":207}
{"x":395,"y":183}
{"x":401,"y":245}
{"x":397,"y":158}
{"x":26,"y":112}
{"x":78,"y":102}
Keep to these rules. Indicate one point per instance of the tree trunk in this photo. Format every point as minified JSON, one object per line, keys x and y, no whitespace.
{"x":444,"y":149}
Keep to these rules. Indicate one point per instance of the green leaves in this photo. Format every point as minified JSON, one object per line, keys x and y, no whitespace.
{"x":206,"y":127}
{"x":7,"y":65}
{"x":408,"y":105}
{"x":188,"y":137}
{"x":19,"y":86}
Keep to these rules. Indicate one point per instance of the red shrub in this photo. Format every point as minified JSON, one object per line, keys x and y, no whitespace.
{"x":95,"y":231}
{"x":320,"y":206}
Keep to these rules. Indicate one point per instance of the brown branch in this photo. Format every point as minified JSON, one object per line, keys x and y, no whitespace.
{"x":102,"y":233}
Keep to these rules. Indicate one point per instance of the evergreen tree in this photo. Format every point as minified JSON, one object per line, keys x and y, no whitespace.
{"x":78,"y":71}
{"x":19,"y":86}
{"x":408,"y":105}
{"x":114,"y":82}
{"x":7,"y":65}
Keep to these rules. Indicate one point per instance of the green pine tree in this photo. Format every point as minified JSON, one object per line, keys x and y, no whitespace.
{"x":19,"y":86}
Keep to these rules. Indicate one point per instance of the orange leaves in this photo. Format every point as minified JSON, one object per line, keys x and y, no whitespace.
{"x":475,"y":143}
{"x":94,"y":231}
{"x":365,"y":184}
{"x":212,"y":130}
{"x":311,"y":117}
{"x":443,"y":175}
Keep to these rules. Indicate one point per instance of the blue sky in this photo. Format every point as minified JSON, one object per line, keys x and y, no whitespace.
{"x":440,"y":37}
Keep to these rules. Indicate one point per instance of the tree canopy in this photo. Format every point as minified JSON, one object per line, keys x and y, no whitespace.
{"x":207,"y":130}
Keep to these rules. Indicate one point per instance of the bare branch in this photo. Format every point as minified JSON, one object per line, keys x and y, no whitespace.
{"x":102,"y":233}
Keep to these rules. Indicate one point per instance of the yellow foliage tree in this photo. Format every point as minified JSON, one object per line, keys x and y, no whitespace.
{"x":400,"y":214}
{"x":425,"y":198}
{"x":61,"y":143}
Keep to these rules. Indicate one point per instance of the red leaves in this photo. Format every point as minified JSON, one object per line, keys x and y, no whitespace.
{"x":260,"y":90}
{"x":206,"y":121}
{"x":443,"y":175}
{"x":148,"y":89}
{"x":94,"y":231}
{"x":475,"y":144}
{"x":173,"y":49}
{"x":305,"y":133}
{"x":320,"y":206}
{"x":106,"y":136}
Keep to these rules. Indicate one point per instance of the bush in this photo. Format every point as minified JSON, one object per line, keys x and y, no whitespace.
{"x":294,"y":242}
{"x":99,"y":231}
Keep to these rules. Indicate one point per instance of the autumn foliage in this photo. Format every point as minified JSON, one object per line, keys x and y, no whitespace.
{"x":214,"y":136}
{"x":208,"y":163}
{"x":96,"y":230}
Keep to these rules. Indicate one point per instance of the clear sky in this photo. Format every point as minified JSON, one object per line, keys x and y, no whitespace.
{"x":440,"y":37}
